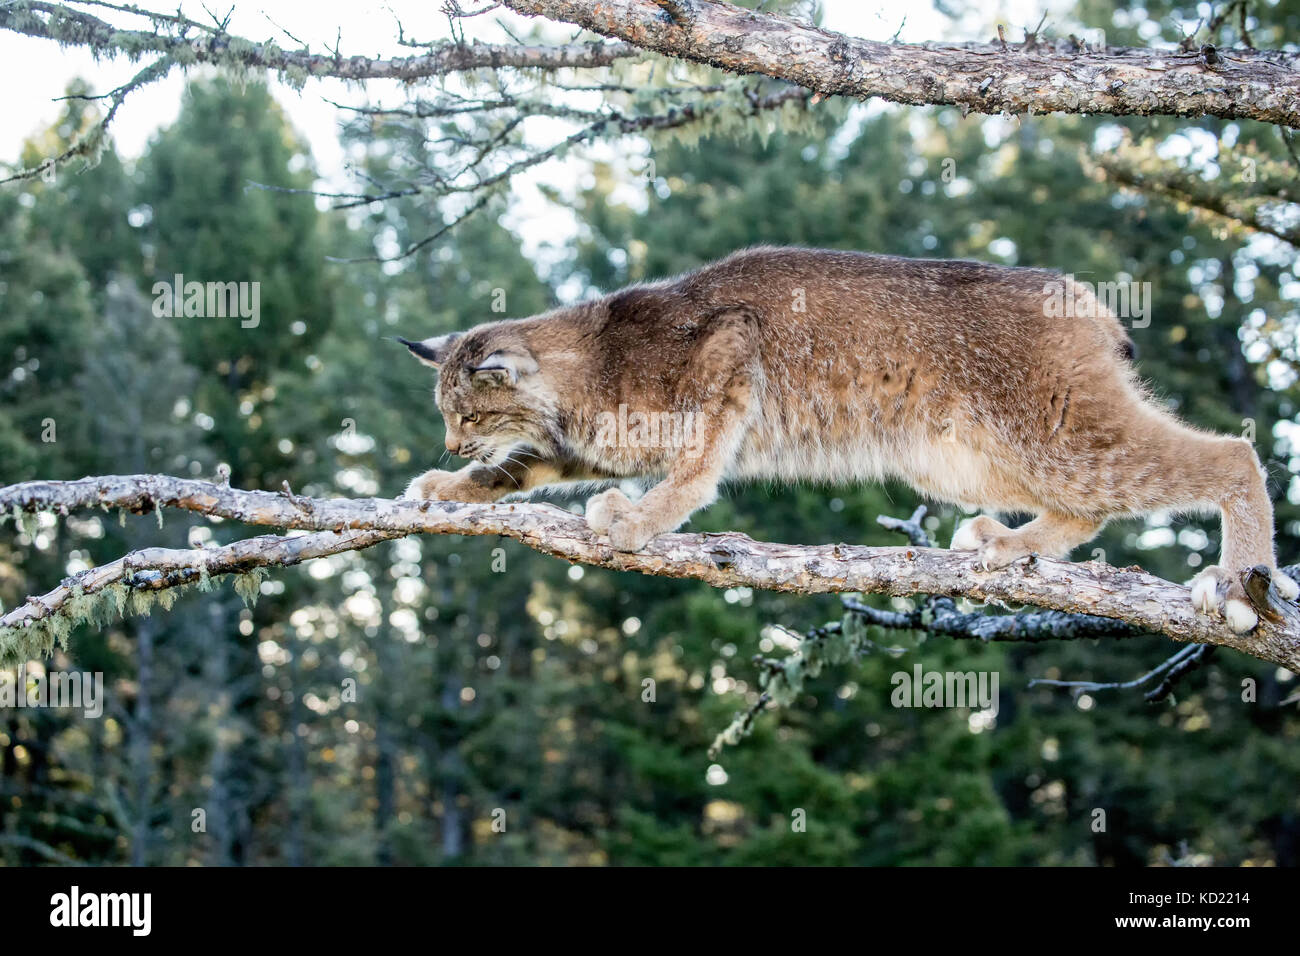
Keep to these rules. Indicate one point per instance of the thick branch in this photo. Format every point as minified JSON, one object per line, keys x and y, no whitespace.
{"x":983,"y":78}
{"x":722,"y":560}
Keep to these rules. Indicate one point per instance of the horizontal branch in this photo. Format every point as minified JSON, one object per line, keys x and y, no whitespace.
{"x":1030,"y":77}
{"x":155,"y":569}
{"x":722,"y":560}
{"x":189,"y":42}
{"x":158,"y":569}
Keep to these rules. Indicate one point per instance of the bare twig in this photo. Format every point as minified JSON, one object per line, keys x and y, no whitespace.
{"x":88,"y":144}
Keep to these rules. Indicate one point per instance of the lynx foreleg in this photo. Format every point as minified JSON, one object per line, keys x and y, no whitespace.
{"x":716,"y":392}
{"x":692,"y":483}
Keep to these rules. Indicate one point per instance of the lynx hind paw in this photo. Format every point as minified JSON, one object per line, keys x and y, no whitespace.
{"x":1287,"y":588}
{"x":1217,"y":589}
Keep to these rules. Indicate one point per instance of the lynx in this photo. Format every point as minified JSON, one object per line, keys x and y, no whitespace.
{"x":810,"y":365}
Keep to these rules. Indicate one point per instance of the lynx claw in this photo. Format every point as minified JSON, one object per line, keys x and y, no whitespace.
{"x":1216,"y":589}
{"x":1205,"y":593}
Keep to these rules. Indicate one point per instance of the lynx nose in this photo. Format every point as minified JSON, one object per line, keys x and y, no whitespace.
{"x":453,"y":446}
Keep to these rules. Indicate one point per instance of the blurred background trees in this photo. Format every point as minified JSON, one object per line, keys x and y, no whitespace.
{"x":445,"y":701}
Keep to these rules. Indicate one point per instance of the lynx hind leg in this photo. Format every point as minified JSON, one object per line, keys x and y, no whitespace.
{"x":1247,"y":538}
{"x":1050,"y":535}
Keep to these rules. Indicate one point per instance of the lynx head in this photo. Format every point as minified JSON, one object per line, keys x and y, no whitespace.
{"x":490,"y":392}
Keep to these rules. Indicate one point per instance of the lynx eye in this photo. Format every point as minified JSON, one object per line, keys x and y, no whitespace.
{"x":469,"y":419}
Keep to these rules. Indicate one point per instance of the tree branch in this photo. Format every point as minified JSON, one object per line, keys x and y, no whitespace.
{"x":88,"y":144}
{"x":982,"y":78}
{"x":473,"y":180}
{"x":722,"y":560}
{"x":1256,"y":192}
{"x":1029,"y":77}
{"x":1169,"y":671}
{"x":190,"y":42}
{"x":161,"y":569}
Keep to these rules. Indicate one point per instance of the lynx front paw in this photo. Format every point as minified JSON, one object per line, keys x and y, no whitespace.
{"x":1287,"y":589}
{"x":612,"y":515}
{"x":1216,"y":589}
{"x":432,"y":486}
{"x":995,"y":544}
{"x":604,"y":507}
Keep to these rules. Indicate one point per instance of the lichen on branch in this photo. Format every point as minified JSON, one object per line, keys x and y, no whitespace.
{"x":1140,"y":600}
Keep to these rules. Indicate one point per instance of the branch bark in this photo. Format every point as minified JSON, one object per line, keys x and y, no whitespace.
{"x":722,"y":560}
{"x":1029,"y":77}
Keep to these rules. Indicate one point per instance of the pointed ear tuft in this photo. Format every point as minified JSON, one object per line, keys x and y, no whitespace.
{"x":504,"y":368}
{"x":432,"y":352}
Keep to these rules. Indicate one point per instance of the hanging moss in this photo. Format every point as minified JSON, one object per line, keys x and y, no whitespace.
{"x":28,"y":523}
{"x":249,"y":586}
{"x":783,"y":680}
{"x":38,"y":639}
{"x":141,"y":602}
